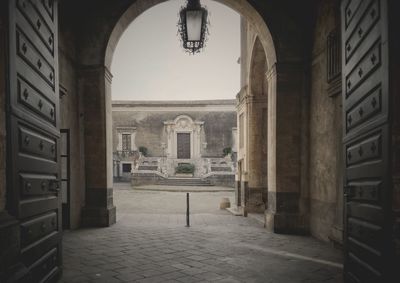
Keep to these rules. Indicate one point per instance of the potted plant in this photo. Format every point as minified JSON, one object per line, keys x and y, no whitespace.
{"x":143,"y":150}
{"x":184,"y":170}
{"x":227,"y":152}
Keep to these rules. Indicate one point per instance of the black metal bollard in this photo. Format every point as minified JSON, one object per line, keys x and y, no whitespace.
{"x":187,"y":210}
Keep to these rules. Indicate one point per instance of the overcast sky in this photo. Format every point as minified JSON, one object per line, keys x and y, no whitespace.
{"x":150,"y":64}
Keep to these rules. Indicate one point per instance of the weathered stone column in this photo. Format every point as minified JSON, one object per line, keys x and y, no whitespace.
{"x":286,"y":87}
{"x":240,"y":182}
{"x":257,"y":154}
{"x":95,"y":87}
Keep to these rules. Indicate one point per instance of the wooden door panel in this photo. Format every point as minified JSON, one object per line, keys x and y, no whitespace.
{"x":34,"y":14}
{"x":34,"y":101}
{"x":365,"y":108}
{"x":34,"y":134}
{"x":37,"y":150}
{"x":46,"y":9}
{"x":33,"y":255}
{"x":36,"y":146}
{"x":365,"y":66}
{"x":371,"y":256}
{"x":366,"y":139}
{"x":36,"y":69}
{"x":36,"y":185}
{"x":365,"y":83}
{"x":29,"y":53}
{"x":363,"y":26}
{"x":36,"y":206}
{"x":351,"y":10}
{"x":32,"y":49}
{"x":183,"y":144}
{"x":366,"y":212}
{"x":46,"y":267}
{"x":35,"y":229}
{"x":361,"y":272}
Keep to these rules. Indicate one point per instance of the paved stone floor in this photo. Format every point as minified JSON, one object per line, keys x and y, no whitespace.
{"x":150,"y":243}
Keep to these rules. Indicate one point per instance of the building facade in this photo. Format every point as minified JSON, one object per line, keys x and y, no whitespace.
{"x":157,"y":137}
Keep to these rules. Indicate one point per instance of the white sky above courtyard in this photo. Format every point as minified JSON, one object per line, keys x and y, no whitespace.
{"x":150,"y":64}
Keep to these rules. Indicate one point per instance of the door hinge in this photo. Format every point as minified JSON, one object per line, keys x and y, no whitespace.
{"x":54,"y":186}
{"x":347,"y":190}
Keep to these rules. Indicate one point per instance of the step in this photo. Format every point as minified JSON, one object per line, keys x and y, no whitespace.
{"x":188,"y":185}
{"x":203,"y":183}
{"x":182,"y":181}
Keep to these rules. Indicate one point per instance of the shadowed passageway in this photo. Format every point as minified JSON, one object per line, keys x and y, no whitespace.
{"x":150,"y":243}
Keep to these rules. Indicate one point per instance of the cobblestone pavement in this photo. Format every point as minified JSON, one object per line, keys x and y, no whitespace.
{"x":150,"y":243}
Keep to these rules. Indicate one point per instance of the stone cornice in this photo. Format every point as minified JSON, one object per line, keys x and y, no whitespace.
{"x":163,"y":103}
{"x":126,"y":129}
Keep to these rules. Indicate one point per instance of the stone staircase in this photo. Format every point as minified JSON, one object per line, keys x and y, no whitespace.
{"x":174,"y":181}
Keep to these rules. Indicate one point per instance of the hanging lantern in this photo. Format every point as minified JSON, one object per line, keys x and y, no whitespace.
{"x":193,"y":26}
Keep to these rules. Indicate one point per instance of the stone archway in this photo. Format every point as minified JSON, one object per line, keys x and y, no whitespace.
{"x":253,"y":110}
{"x":258,"y":67}
{"x":241,"y":6}
{"x":286,"y":88}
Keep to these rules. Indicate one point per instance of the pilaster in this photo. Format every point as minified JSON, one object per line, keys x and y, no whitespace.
{"x":286,"y":87}
{"x":95,"y":88}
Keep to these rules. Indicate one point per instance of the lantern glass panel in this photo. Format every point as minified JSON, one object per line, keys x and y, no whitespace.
{"x":194,"y":20}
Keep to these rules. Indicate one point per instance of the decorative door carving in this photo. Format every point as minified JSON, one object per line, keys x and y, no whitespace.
{"x":366,"y":140}
{"x":33,"y":143}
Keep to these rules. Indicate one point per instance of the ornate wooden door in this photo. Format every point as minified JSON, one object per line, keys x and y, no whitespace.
{"x":366,"y":140}
{"x":33,"y":127}
{"x":183,"y":145}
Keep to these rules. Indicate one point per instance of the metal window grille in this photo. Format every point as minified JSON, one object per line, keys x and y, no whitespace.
{"x":241,"y":130}
{"x":334,"y":63}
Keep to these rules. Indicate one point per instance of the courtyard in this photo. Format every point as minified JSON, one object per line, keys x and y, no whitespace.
{"x":150,"y":243}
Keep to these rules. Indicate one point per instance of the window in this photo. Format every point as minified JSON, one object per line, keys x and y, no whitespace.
{"x":65,"y":177}
{"x":126,"y":167}
{"x":126,"y":142}
{"x":334,"y":64}
{"x":333,"y":56}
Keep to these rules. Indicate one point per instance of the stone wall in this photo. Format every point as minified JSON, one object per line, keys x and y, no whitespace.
{"x":71,"y":115}
{"x":325,"y":134}
{"x":144,"y":179}
{"x":149,"y":124}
